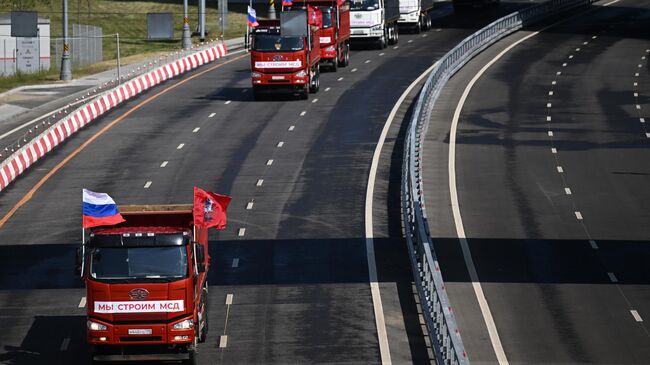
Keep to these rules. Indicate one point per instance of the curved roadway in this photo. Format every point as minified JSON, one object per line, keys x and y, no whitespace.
{"x":552,"y":174}
{"x":293,"y":254}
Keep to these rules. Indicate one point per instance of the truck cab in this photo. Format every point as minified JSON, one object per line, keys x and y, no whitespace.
{"x":285,"y":55}
{"x":374,"y":21}
{"x":146,"y":282}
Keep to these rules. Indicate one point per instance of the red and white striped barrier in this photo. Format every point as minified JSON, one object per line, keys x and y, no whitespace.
{"x":34,"y":150}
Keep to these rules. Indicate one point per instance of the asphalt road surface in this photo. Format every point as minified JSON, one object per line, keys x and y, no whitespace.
{"x":295,"y":261}
{"x":552,"y":169}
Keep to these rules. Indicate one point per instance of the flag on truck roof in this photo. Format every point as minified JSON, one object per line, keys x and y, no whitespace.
{"x":99,"y":209}
{"x":252,"y":17}
{"x":210,"y":209}
{"x":287,"y":3}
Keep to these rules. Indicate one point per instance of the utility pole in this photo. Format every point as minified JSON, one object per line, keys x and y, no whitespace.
{"x":66,"y":69}
{"x":186,"y":40}
{"x":271,"y":9}
{"x":202,"y":20}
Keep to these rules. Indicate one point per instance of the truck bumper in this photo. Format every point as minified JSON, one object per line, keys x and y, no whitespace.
{"x":409,"y":19}
{"x":365,"y":34}
{"x":142,"y":353}
{"x":273,"y":82}
{"x":140,"y":334}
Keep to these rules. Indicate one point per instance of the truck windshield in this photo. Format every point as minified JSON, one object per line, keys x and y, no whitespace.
{"x":327,"y":18}
{"x":139,"y":262}
{"x":276,"y":43}
{"x":359,"y":5}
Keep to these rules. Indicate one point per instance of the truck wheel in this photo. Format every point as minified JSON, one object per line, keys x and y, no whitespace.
{"x":346,"y":57}
{"x":429,"y":22}
{"x":203,"y":333}
{"x":382,"y":41}
{"x":418,"y":26}
{"x":315,"y":81}
{"x":335,"y":63}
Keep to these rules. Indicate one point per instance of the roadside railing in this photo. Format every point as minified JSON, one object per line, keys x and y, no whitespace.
{"x":443,"y":331}
{"x":129,"y":72}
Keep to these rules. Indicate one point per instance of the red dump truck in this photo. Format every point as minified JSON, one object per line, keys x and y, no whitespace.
{"x":334,"y":32}
{"x":285,"y":54}
{"x":146,"y":281}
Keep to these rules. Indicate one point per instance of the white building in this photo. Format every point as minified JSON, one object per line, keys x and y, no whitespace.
{"x":24,"y":54}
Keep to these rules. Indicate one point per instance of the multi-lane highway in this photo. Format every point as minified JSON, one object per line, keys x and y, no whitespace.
{"x":551,"y":173}
{"x":293,"y":255}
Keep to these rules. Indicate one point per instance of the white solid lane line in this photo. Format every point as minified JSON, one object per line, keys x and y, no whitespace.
{"x":147,"y":184}
{"x":212,"y":115}
{"x":164,"y":163}
{"x":636,"y":316}
{"x":82,"y":302}
{"x":380,"y":321}
{"x":235,"y":262}
{"x":180,"y":146}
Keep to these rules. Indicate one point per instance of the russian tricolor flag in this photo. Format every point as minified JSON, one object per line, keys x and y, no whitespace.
{"x":99,"y":209}
{"x":287,"y":3}
{"x":252,"y":17}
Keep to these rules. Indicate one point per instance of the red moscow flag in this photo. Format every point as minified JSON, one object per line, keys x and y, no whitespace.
{"x":210,"y":209}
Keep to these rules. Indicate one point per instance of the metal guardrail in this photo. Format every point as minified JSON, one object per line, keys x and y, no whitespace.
{"x":128,"y":73}
{"x":444,"y":334}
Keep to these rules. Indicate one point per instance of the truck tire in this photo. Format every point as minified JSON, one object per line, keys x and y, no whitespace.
{"x":203,"y":334}
{"x":346,"y":55}
{"x":395,"y":35}
{"x":418,"y":26}
{"x":429,"y":21}
{"x":381,"y":43}
{"x":314,"y":82}
{"x":335,"y":63}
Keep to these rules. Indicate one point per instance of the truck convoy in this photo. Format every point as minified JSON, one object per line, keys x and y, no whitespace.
{"x":414,"y":14}
{"x":335,"y":31}
{"x":285,"y":54}
{"x":146,"y":281}
{"x":375,"y":21}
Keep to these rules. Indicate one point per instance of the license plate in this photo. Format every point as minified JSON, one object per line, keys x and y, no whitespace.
{"x":139,"y":331}
{"x":277,"y":77}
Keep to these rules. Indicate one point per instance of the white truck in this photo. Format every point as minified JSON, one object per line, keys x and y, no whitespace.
{"x":414,"y":14}
{"x":374,"y":21}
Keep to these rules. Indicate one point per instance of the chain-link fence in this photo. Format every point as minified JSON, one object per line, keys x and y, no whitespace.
{"x":85,"y":46}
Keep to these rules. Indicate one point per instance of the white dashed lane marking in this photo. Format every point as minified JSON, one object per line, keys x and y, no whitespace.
{"x":280,"y":144}
{"x":548,"y":118}
{"x":560,"y":169}
{"x":328,"y":89}
{"x":578,"y":216}
{"x":353,"y":70}
{"x":292,"y":128}
{"x":396,"y":47}
{"x":585,"y":42}
{"x":196,"y":129}
{"x":559,"y":73}
{"x":548,"y":105}
{"x":235,"y":262}
{"x":410,"y":41}
{"x":553,"y":82}
{"x":315,"y":100}
{"x":577,"y":49}
{"x":269,"y":162}
{"x":550,"y":93}
{"x":567,"y":191}
{"x":212,"y":115}
{"x":242,"y":232}
{"x":65,"y":344}
{"x":223,"y":341}
{"x":642,"y":120}
{"x":82,"y":303}
{"x":180,"y":146}
{"x":260,"y":182}
{"x":147,"y":184}
{"x":249,"y":206}
{"x":228,"y":102}
{"x":381,"y":54}
{"x":550,"y":133}
{"x":229,"y":299}
{"x":367,"y":61}
{"x":647,"y":135}
{"x":164,"y":163}
{"x":612,"y":277}
{"x":594,"y":37}
{"x":553,"y":150}
{"x":244,"y":90}
{"x":636,"y":316}
{"x":302,"y":113}
{"x":339,"y":79}
{"x":564,"y":65}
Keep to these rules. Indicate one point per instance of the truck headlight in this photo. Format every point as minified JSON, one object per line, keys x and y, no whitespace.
{"x":330,"y":49}
{"x":302,"y":73}
{"x":94,"y":326}
{"x":184,"y":325}
{"x":376,"y":28}
{"x":256,"y":75}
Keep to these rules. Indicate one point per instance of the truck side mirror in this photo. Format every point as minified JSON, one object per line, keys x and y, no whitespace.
{"x":78,"y":261}
{"x":200,"y":258}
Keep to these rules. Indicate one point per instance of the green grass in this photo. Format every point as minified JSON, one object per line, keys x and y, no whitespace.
{"x":129,"y":19}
